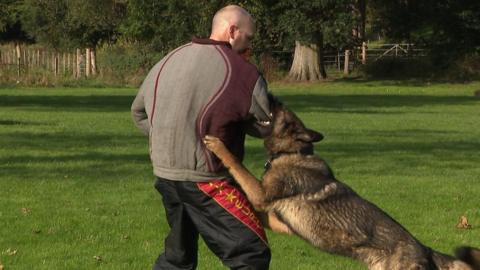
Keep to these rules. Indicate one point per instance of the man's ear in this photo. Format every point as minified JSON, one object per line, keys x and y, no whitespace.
{"x":231,"y":31}
{"x":310,"y":136}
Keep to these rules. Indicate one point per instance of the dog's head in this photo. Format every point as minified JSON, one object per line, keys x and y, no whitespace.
{"x":289,"y":134}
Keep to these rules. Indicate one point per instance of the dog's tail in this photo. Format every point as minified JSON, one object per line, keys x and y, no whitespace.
{"x":470,"y":256}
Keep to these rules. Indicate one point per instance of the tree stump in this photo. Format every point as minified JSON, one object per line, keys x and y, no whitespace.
{"x":307,"y":63}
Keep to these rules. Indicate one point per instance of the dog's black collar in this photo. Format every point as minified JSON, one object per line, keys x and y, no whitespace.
{"x":268,"y":163}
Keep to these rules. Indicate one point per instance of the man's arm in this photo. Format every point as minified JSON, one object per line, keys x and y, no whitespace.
{"x":260,"y":123}
{"x":139,"y":114}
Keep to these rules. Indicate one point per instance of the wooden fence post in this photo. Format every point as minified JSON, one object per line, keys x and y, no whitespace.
{"x":17,"y":46}
{"x":94,"y":61}
{"x":87,"y":62}
{"x":68,"y":61}
{"x":38,"y":59}
{"x":55,"y":63}
{"x":44,"y":59}
{"x":338,"y":60}
{"x":74,"y":66}
{"x":364,"y":53}
{"x":13,"y":58}
{"x":25,"y":59}
{"x":64,"y":63}
{"x":79,"y":58}
{"x":346,"y":65}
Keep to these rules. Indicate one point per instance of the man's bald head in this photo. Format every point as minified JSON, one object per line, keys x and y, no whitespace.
{"x":235,"y":25}
{"x":230,"y":15}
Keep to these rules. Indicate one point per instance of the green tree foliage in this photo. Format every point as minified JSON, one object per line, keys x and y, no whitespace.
{"x":45,"y":21}
{"x":5,"y":14}
{"x":71,"y":23}
{"x":311,"y":21}
{"x":165,"y":25}
{"x":10,"y":25}
{"x":450,"y":28}
{"x":90,"y":21}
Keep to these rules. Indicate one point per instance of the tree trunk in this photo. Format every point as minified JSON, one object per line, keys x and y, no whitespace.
{"x":359,"y":9}
{"x":307,"y":63}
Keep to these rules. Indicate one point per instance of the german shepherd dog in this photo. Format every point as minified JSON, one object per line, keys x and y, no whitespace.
{"x":299,"y":195}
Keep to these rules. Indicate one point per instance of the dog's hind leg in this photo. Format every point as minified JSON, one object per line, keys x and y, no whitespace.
{"x":469,"y":255}
{"x":270,"y":220}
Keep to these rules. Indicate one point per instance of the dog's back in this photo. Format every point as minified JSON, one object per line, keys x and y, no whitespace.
{"x":303,"y":192}
{"x":330,"y":215}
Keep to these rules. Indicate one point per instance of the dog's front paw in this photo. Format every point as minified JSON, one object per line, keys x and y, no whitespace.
{"x":215,"y":145}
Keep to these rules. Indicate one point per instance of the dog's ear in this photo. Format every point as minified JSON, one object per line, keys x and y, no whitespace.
{"x":310,"y":136}
{"x":275,"y":103}
{"x":279,"y":121}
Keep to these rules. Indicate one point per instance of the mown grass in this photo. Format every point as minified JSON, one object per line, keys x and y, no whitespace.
{"x":76,"y":188}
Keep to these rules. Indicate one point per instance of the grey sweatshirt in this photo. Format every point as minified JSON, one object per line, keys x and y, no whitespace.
{"x":200,"y":88}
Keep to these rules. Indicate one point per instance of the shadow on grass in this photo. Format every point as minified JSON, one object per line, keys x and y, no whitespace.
{"x":22,"y":123}
{"x":410,"y":82}
{"x":43,"y":154}
{"x":368,"y":103}
{"x":408,"y":148}
{"x":401,"y":81}
{"x":87,"y":162}
{"x":299,"y":102}
{"x":415,"y":141}
{"x":66,"y":141}
{"x":455,"y":149}
{"x":405,"y":159}
{"x":78,"y":157}
{"x":70,"y":103}
{"x":50,"y":155}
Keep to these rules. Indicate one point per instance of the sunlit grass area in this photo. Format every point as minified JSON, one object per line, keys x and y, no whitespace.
{"x":76,"y":186}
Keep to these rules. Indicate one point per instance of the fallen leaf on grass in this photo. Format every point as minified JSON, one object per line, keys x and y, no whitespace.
{"x":463,"y":224}
{"x":1,"y":267}
{"x":98,"y":258}
{"x":37,"y":231}
{"x":11,"y":252}
{"x":26,"y":211}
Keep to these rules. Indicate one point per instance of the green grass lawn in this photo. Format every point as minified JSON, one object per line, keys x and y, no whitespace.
{"x":76,"y":187}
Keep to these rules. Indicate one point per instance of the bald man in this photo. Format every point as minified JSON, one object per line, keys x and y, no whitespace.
{"x":206,"y":87}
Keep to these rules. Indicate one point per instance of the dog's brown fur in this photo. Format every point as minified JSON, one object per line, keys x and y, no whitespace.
{"x":301,"y":196}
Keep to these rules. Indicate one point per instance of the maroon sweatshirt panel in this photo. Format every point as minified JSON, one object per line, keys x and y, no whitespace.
{"x":225,"y":117}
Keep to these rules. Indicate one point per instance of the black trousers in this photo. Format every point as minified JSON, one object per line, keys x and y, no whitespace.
{"x":219,"y":212}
